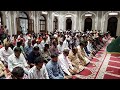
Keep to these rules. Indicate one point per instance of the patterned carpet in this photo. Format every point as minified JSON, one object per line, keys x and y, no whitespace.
{"x":102,"y":66}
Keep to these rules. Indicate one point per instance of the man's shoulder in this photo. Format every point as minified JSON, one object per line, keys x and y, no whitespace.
{"x":60,"y":56}
{"x":32,"y":69}
{"x":48,"y":64}
{"x":10,"y":49}
{"x":31,"y":53}
{"x":3,"y":48}
{"x":11,"y":56}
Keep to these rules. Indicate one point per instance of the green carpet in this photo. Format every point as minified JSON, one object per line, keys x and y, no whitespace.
{"x":114,"y":46}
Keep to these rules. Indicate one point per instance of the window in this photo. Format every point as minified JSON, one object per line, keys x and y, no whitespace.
{"x":23,"y":22}
{"x":42,"y":23}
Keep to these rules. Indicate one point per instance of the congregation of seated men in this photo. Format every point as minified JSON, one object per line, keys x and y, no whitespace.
{"x":57,"y":55}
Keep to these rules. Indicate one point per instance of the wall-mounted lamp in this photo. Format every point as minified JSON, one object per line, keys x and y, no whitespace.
{"x":113,"y":13}
{"x":55,"y":15}
{"x":43,"y":12}
{"x":88,"y":15}
{"x":68,"y":16}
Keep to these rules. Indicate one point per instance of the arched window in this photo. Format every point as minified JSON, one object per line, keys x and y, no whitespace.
{"x":23,"y":22}
{"x":42,"y":23}
{"x":55,"y":24}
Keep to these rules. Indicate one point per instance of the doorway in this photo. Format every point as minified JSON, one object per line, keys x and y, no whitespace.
{"x":68,"y":24}
{"x":112,"y":26}
{"x":87,"y":24}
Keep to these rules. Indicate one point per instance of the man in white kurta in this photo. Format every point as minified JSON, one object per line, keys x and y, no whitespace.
{"x":38,"y":71}
{"x":5,"y":52}
{"x":39,"y":45}
{"x":60,"y":47}
{"x":34,"y":73}
{"x":65,"y":63}
{"x":17,"y":59}
{"x":65,"y":44}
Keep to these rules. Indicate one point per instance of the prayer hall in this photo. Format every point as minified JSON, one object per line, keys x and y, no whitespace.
{"x":59,"y":44}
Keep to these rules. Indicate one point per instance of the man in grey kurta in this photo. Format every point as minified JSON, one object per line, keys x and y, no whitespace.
{"x":53,"y":68}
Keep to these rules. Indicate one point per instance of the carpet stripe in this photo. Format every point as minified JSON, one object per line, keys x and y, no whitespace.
{"x":114,"y":67}
{"x":114,"y":64}
{"x":106,"y":76}
{"x":113,"y":70}
{"x":112,"y":74}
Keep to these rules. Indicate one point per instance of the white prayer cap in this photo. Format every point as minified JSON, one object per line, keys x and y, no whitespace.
{"x":29,"y":38}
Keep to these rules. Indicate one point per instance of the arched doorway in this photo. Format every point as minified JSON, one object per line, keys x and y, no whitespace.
{"x":23,"y":22}
{"x":88,"y":24}
{"x":1,"y":21}
{"x":42,"y":23}
{"x":55,"y":24}
{"x":68,"y":24}
{"x":112,"y":26}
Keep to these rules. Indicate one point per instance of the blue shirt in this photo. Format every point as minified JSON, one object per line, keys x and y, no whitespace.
{"x":28,"y":50}
{"x":54,"y":70}
{"x":32,"y":56}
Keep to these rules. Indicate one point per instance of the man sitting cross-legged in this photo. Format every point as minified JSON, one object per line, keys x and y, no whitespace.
{"x":38,"y":71}
{"x":75,"y":60}
{"x":17,"y":73}
{"x":65,"y":64}
{"x":17,"y":59}
{"x":54,"y":69}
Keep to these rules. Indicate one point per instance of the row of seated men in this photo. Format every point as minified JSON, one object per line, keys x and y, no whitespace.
{"x":45,"y":57}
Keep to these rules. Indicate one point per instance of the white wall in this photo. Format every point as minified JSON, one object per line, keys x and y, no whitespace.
{"x":99,"y":20}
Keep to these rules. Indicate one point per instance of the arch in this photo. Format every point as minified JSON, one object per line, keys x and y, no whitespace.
{"x":55,"y":24}
{"x":83,"y":17}
{"x":66,"y":16}
{"x":88,"y":12}
{"x":22,"y":23}
{"x":42,"y":23}
{"x":1,"y":18}
{"x":87,"y":24}
{"x":68,"y":24}
{"x":55,"y":15}
{"x":106,"y":14}
{"x":23,"y":14}
{"x":105,"y":20}
{"x":112,"y":26}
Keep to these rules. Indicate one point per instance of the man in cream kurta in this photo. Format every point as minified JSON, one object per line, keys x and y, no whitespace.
{"x":73,"y":57}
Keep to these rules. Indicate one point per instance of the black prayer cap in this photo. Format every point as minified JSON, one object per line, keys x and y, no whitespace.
{"x":53,"y":55}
